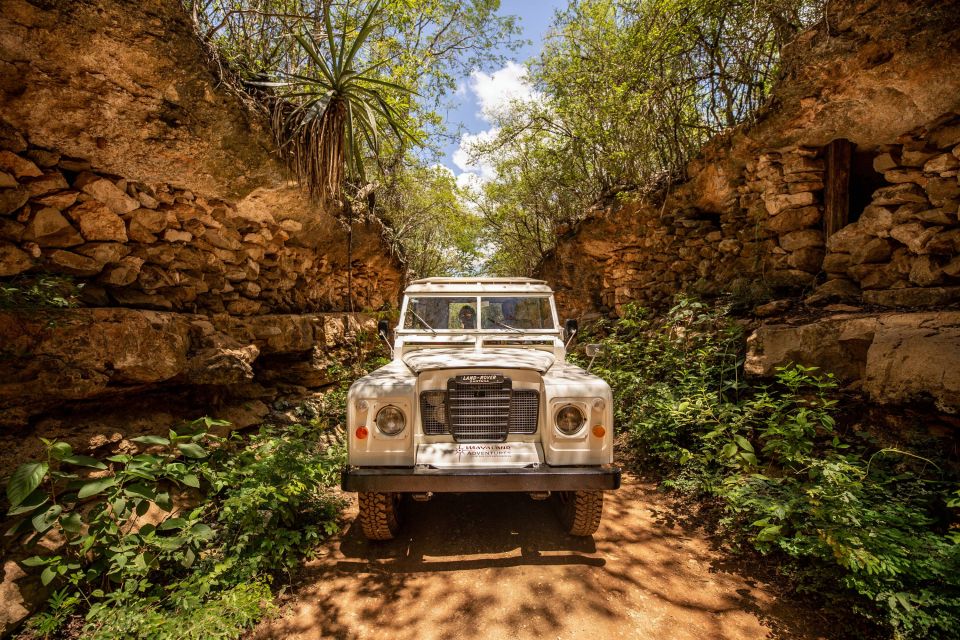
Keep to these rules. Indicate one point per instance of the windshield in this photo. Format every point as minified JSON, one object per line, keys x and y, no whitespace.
{"x":497,"y":313}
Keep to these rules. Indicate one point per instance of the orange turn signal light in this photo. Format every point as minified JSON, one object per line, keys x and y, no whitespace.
{"x":362,"y":433}
{"x":599,"y":431}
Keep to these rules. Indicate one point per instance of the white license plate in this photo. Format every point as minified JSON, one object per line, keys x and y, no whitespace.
{"x":505,"y":454}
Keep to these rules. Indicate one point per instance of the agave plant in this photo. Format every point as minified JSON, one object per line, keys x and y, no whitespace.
{"x":331,"y":115}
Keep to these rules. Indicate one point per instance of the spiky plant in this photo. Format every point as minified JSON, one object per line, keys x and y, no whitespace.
{"x":328,"y":118}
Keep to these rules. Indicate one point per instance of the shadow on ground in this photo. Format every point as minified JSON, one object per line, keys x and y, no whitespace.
{"x":500,"y":566}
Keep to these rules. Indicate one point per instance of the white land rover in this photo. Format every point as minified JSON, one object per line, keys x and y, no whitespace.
{"x":479,"y":397}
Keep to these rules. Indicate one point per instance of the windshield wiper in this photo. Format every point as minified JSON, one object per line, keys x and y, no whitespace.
{"x":506,"y":326}
{"x":423,"y":322}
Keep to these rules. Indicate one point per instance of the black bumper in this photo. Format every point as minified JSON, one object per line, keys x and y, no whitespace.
{"x":544,"y":478}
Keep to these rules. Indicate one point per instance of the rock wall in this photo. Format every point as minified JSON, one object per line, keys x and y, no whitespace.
{"x":749,"y":219}
{"x":156,"y":246}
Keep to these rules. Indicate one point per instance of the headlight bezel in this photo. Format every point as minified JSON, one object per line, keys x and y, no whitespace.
{"x":402,"y":420}
{"x":568,"y":407}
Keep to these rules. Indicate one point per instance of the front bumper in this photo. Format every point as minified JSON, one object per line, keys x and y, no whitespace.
{"x":422,"y":480}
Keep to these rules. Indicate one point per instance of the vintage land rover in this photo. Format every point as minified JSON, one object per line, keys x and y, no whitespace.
{"x":479,"y":397}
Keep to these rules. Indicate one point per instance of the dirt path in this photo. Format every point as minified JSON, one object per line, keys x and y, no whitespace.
{"x":498,"y":566}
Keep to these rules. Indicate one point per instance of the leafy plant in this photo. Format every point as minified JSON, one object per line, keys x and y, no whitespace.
{"x":871,"y":527}
{"x":38,"y":292}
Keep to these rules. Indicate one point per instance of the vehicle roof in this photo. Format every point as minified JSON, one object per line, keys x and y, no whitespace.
{"x":478,"y":285}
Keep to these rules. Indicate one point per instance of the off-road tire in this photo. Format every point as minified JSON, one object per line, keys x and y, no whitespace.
{"x":379,"y":515}
{"x":579,"y":511}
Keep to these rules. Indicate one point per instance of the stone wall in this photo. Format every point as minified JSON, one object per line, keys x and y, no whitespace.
{"x":748,"y":220}
{"x":156,"y":246}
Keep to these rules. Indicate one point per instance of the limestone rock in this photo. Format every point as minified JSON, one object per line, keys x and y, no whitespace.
{"x":107,"y":193}
{"x":926,"y":271}
{"x":780,"y":202}
{"x":884,"y":162}
{"x":13,"y":199}
{"x":13,"y":261}
{"x":104,"y":252}
{"x":942,"y":162}
{"x":873,"y":250}
{"x":173,"y":235}
{"x":44,"y":158}
{"x":794,"y":219}
{"x":222,"y":366}
{"x":801,"y":239}
{"x":946,"y":243}
{"x":49,"y":183}
{"x":62,"y":200}
{"x":899,"y":194}
{"x":74,"y":263}
{"x":150,"y":220}
{"x":896,"y":176}
{"x":97,"y":222}
{"x":19,"y":167}
{"x":943,"y":191}
{"x":837,"y":263}
{"x":124,"y":273}
{"x":914,"y":235}
{"x":847,"y":239}
{"x":48,"y":228}
{"x":898,"y":358}
{"x":11,"y":230}
{"x":876,"y":221}
{"x":807,"y":259}
{"x":147,"y":201}
{"x":7,"y":181}
{"x":837,"y":290}
{"x":139,"y":233}
{"x":919,"y":213}
{"x":913,"y":297}
{"x":20,"y":595}
{"x":916,"y":158}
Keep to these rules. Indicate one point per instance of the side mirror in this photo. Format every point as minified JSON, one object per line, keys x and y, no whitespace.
{"x":383,"y":328}
{"x":593,"y":350}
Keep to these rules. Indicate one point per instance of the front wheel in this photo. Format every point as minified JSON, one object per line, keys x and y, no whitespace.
{"x":579,"y":511}
{"x":379,"y":515}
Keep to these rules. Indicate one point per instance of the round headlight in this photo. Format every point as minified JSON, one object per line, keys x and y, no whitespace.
{"x":390,"y":421}
{"x":570,"y":419}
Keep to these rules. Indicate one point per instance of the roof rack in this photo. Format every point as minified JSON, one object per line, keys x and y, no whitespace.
{"x":478,"y":281}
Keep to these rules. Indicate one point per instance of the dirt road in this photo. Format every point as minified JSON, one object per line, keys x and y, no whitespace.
{"x":498,"y":566}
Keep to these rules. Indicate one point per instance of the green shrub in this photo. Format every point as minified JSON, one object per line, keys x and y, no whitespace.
{"x":870,"y":526}
{"x":224,"y":518}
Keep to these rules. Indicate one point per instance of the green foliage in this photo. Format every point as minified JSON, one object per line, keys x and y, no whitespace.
{"x":870,"y":527}
{"x":627,"y":92}
{"x":32,"y":293}
{"x":180,"y":541}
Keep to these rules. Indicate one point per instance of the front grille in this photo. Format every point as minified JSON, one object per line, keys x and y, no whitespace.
{"x":479,"y":412}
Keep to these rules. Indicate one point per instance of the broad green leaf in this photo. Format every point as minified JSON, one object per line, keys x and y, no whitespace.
{"x":34,"y":561}
{"x":84,"y":461}
{"x":192,"y":450}
{"x":44,"y":520}
{"x":729,"y":450}
{"x":96,"y":487}
{"x":72,"y":523}
{"x":743,"y":443}
{"x":191,"y":480}
{"x":749,"y":457}
{"x":188,"y":557}
{"x":153,"y":440}
{"x":60,"y":450}
{"x":24,"y":480}
{"x":202,"y":531}
{"x":140,"y":490}
{"x":172,"y":523}
{"x":35,"y":500}
{"x":49,"y":573}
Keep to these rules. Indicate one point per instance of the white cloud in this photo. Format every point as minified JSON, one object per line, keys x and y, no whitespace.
{"x":495,"y":91}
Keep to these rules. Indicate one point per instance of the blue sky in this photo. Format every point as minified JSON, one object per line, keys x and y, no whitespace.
{"x":486,"y":89}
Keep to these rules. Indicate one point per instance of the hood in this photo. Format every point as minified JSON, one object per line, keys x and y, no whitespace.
{"x":433,"y":359}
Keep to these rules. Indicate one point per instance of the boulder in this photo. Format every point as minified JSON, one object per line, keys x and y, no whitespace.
{"x":74,"y":263}
{"x":917,"y":212}
{"x":62,"y":200}
{"x":899,"y":194}
{"x":940,"y":163}
{"x":794,"y":219}
{"x":898,"y":357}
{"x":49,"y":183}
{"x":780,"y":202}
{"x":876,"y":221}
{"x":107,"y":193}
{"x":873,"y":250}
{"x":926,"y":271}
{"x":124,"y":273}
{"x":884,"y":162}
{"x":914,"y":235}
{"x":836,"y":290}
{"x":98,"y":222}
{"x":222,"y":366}
{"x":17,"y":166}
{"x":13,"y":261}
{"x":104,"y":252}
{"x":805,"y":239}
{"x":913,"y":297}
{"x":943,"y":192}
{"x":48,"y":228}
{"x":173,"y":235}
{"x":847,"y":239}
{"x":7,"y":181}
{"x":13,"y":199}
{"x":945,"y":243}
{"x":150,"y":220}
